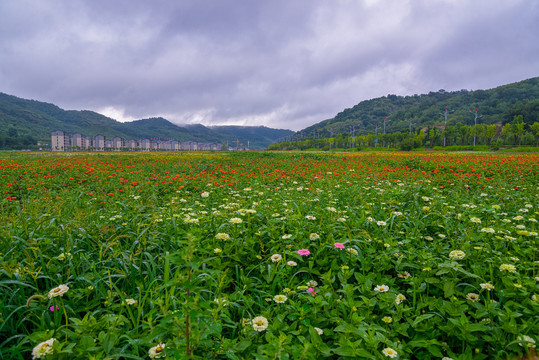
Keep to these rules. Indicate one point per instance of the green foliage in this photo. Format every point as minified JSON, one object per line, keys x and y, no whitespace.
{"x":498,"y":106}
{"x":424,"y":255}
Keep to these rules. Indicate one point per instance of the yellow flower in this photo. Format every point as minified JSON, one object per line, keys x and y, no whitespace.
{"x":404,"y":275}
{"x":280,"y":299}
{"x":508,"y":267}
{"x":399,"y":299}
{"x":387,"y":319}
{"x":222,"y":236}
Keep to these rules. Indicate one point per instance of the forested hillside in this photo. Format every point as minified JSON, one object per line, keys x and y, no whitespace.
{"x":24,"y":123}
{"x":515,"y":104}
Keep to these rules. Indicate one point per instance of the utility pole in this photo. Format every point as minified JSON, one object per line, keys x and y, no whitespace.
{"x":475,"y":124}
{"x":376,"y":136}
{"x":384,"y":143}
{"x":445,"y":120}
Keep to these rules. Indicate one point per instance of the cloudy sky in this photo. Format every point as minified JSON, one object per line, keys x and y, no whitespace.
{"x":280,"y":63}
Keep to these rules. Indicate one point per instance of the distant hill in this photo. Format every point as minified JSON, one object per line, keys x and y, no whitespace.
{"x":257,"y":136}
{"x":25,"y":122}
{"x":498,"y":105}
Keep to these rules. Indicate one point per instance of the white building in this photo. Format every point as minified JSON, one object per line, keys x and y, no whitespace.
{"x":117,"y":143}
{"x":59,"y":141}
{"x":99,"y":143}
{"x":131,"y":144}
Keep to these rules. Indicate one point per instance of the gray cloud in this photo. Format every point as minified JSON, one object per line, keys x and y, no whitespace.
{"x":276,"y":63}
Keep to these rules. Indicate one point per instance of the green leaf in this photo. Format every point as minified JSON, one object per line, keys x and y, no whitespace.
{"x":435,"y":350}
{"x":345,"y":351}
{"x":421,"y":318}
{"x":449,"y":288}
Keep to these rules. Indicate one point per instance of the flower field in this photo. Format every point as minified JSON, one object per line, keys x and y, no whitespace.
{"x":268,"y":256}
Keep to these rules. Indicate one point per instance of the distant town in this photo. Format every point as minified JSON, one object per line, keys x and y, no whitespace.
{"x":62,"y":141}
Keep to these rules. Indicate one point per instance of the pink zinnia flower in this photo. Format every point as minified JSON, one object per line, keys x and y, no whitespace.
{"x":339,"y":246}
{"x":311,"y":290}
{"x":304,"y":252}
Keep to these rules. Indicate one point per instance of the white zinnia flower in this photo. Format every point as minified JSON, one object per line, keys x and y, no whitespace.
{"x":58,"y":291}
{"x":399,"y":299}
{"x":381,"y":288}
{"x":457,"y":254}
{"x":530,"y":342}
{"x":222,"y":236}
{"x":486,"y":286}
{"x":42,"y":349}
{"x":260,"y":323}
{"x":156,"y":352}
{"x":389,"y":352}
{"x":130,"y":301}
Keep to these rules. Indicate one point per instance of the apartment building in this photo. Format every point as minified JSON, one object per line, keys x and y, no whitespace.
{"x":98,"y":143}
{"x":61,"y":141}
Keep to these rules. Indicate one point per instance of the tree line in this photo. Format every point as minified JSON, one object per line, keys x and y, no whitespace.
{"x":514,"y":133}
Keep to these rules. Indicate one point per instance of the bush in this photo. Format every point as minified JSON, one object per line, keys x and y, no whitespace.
{"x":463,"y":148}
{"x":522,"y":149}
{"x":406,"y":145}
{"x":496,"y":144}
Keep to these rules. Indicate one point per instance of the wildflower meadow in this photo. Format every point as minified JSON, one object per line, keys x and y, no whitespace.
{"x":263,"y":255}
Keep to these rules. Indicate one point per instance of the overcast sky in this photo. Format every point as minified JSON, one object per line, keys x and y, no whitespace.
{"x":279,"y":63}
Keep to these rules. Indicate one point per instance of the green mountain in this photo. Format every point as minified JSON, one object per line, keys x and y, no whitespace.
{"x":23,"y":123}
{"x":257,"y":136}
{"x":498,"y":105}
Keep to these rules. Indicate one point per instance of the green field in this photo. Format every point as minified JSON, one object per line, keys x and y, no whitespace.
{"x":268,"y":255}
